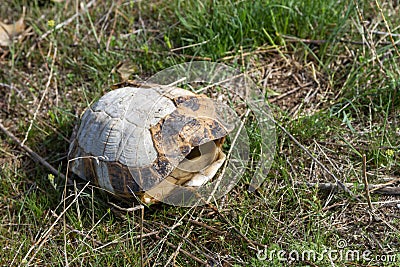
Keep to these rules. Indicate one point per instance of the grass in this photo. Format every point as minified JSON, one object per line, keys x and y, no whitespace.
{"x":219,"y":27}
{"x":332,"y":81}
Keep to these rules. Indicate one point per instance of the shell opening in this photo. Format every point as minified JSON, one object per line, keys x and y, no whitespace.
{"x":199,"y":167}
{"x":201,"y":157}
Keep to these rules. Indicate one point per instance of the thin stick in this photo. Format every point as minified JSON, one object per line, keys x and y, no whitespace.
{"x":245,"y":238}
{"x":33,"y":155}
{"x":141,"y":237}
{"x":218,"y":181}
{"x":43,"y":96}
{"x":208,"y":254}
{"x":385,"y":33}
{"x":126,"y":209}
{"x":370,"y":43}
{"x":141,"y":207}
{"x":38,"y":244}
{"x":186,"y":253}
{"x":293,"y":39}
{"x":341,"y":184}
{"x":12,"y":87}
{"x":127,"y":239}
{"x":178,"y":248}
{"x":189,"y":46}
{"x":208,"y":227}
{"x":388,"y":28}
{"x":116,"y":12}
{"x":385,"y":185}
{"x":381,"y":189}
{"x":365,"y":180}
{"x":167,"y":53}
{"x":68,"y":21}
{"x":85,"y":235}
{"x":272,"y":100}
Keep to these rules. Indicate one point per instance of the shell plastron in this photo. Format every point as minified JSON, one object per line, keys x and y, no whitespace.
{"x":147,"y":140}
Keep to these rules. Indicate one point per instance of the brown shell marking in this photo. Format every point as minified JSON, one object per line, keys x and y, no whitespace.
{"x":122,"y":180}
{"x":193,"y":123}
{"x":82,"y":167}
{"x":121,"y":177}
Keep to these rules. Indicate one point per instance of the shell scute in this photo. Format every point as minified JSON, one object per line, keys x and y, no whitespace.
{"x":122,"y":178}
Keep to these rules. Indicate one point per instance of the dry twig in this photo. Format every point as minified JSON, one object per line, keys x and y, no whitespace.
{"x":341,"y":184}
{"x":43,"y":96}
{"x":373,"y":188}
{"x":365,"y":180}
{"x":33,"y":155}
{"x":68,"y":21}
{"x":186,"y":253}
{"x":42,"y":239}
{"x":166,"y":53}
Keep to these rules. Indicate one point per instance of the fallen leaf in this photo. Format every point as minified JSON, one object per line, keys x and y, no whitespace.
{"x":126,"y":69}
{"x":9,"y":31}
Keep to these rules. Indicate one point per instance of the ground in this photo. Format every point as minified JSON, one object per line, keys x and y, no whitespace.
{"x":329,"y":71}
